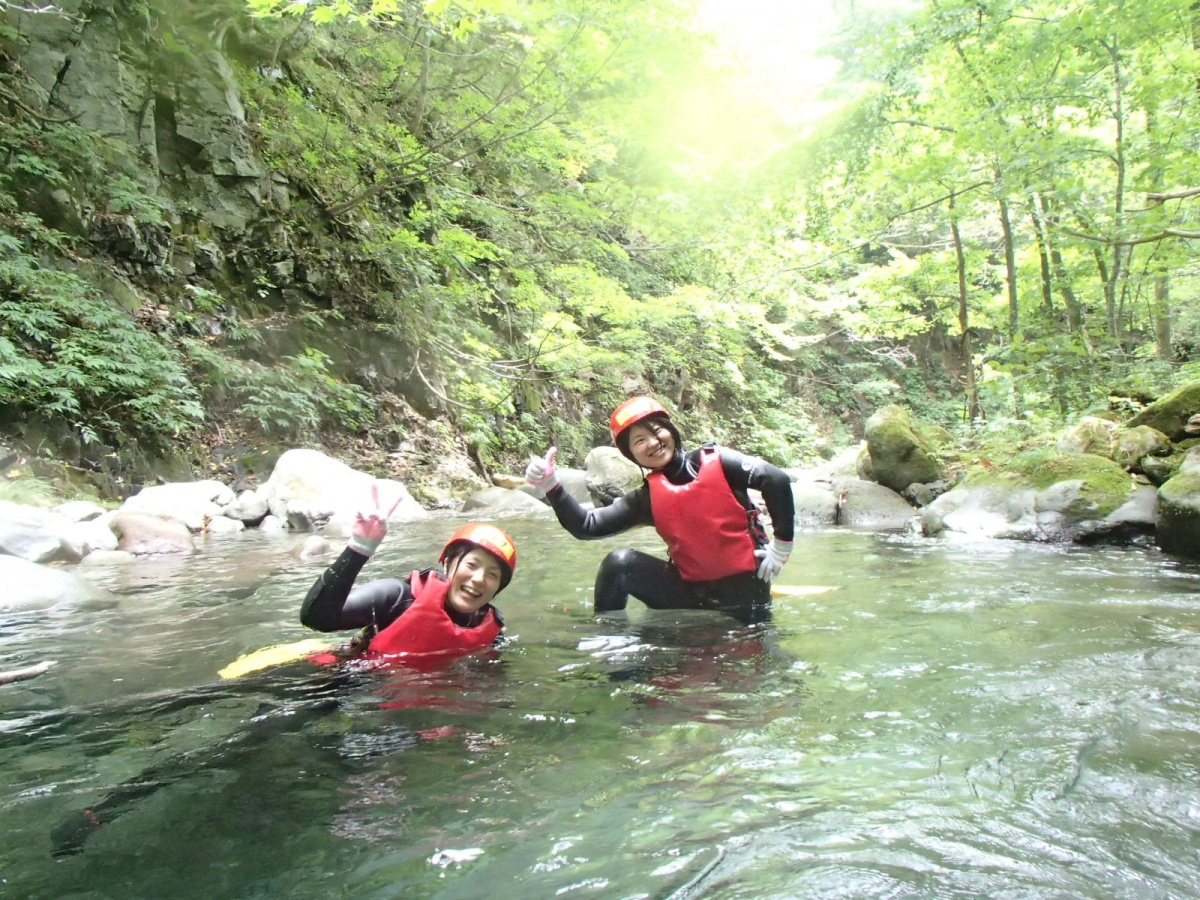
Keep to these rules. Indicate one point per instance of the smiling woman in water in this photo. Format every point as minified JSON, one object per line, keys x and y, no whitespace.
{"x":443,"y":609}
{"x":699,"y":502}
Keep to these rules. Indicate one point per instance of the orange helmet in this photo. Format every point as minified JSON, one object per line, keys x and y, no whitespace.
{"x":631,"y":412}
{"x":490,"y":538}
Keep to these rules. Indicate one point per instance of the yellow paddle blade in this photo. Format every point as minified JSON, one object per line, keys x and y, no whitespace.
{"x":275,"y":655}
{"x":800,"y":590}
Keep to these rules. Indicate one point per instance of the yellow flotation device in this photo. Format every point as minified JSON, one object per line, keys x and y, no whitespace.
{"x":800,"y":590}
{"x":276,"y":655}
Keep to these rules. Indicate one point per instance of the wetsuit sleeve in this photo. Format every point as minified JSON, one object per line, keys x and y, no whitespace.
{"x":627,"y":511}
{"x":743,"y":472}
{"x":334,"y":604}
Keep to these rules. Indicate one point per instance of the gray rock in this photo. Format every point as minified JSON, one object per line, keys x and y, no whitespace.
{"x":1091,"y":434}
{"x":144,"y":534}
{"x":36,"y":535}
{"x":816,"y":503}
{"x":865,"y":504}
{"x":79,"y":510}
{"x":28,"y":585}
{"x":93,"y":536}
{"x":194,"y":502}
{"x":1134,"y":444}
{"x":502,"y":501}
{"x":609,"y":475}
{"x":1071,"y":498}
{"x":308,"y":489}
{"x":1178,"y":527}
{"x":250,"y":507}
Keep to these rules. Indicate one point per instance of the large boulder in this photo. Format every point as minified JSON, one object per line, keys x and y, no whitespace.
{"x":816,"y":503}
{"x":35,"y":534}
{"x":1091,"y":434}
{"x":1178,"y":529}
{"x":1160,"y":469}
{"x":1135,"y":444}
{"x":146,"y":535}
{"x":311,"y":491}
{"x":191,"y":502}
{"x":29,"y":586}
{"x":1047,"y":497}
{"x":865,"y":504}
{"x":498,"y":501}
{"x":249,"y":507}
{"x":900,"y":454}
{"x":852,"y":502}
{"x":574,"y":482}
{"x":1171,"y":414}
{"x":609,"y":475}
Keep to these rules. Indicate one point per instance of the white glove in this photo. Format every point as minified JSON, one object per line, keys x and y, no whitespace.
{"x":773,"y":556}
{"x":540,"y":474}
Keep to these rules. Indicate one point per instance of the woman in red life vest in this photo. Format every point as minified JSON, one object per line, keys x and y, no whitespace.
{"x":698,"y":501}
{"x":444,"y":609}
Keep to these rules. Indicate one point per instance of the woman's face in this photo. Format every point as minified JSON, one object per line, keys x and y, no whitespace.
{"x":474,"y":581}
{"x":651,"y":445}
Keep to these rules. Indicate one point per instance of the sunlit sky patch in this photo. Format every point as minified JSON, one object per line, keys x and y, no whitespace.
{"x":780,"y":40}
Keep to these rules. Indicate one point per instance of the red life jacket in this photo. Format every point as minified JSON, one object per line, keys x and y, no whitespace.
{"x":706,"y":529}
{"x":426,"y":627}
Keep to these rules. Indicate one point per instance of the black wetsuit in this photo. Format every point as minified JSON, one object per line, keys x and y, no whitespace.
{"x":334,"y":604}
{"x":657,"y":582}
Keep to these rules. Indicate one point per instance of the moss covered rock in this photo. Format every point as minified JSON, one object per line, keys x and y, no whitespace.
{"x":900,"y":454}
{"x":1135,"y":444}
{"x":1091,"y":434}
{"x":1047,"y":496}
{"x":1160,"y":469}
{"x":1171,"y":413}
{"x":1178,"y":529}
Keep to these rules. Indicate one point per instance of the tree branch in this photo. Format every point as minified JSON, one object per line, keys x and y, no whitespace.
{"x":1158,"y":197}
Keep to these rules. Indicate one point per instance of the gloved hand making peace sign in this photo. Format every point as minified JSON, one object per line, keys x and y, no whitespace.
{"x":369,"y":530}
{"x":540,"y":474}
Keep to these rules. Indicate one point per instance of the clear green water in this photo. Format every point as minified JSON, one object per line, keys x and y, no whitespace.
{"x":955,"y":720}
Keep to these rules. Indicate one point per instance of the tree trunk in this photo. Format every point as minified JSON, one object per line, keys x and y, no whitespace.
{"x":974,"y":413}
{"x":1043,"y":249}
{"x":1059,"y":269}
{"x":1010,"y":269}
{"x":1161,"y":313}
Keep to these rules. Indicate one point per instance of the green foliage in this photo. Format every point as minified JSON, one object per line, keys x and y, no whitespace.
{"x":128,"y":196}
{"x":29,"y":491}
{"x":68,"y":353}
{"x":294,"y":399}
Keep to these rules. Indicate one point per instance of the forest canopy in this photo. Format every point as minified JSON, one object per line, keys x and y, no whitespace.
{"x":982,"y":210}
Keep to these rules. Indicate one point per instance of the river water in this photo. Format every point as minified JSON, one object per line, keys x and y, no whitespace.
{"x":971,"y":719}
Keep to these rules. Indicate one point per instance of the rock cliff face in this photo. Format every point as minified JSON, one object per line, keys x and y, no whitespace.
{"x":164,"y":84}
{"x":164,"y":87}
{"x":156,"y":79}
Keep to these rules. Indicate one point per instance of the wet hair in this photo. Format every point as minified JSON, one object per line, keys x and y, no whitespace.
{"x":658,"y":420}
{"x":456,"y":551}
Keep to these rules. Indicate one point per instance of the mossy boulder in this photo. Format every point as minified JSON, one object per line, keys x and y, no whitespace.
{"x":1178,"y":529}
{"x":1170,"y":414}
{"x":1046,"y":496}
{"x":1091,"y":434}
{"x":1135,"y":444}
{"x":1161,"y":469}
{"x":901,"y":452}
